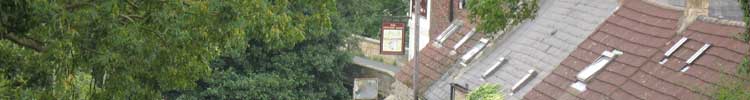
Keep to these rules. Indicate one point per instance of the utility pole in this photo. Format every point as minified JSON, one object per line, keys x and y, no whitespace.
{"x":416,"y":49}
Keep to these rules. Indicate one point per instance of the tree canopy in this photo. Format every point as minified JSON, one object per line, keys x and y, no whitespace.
{"x":363,"y":17}
{"x":135,"y":49}
{"x":495,"y":15}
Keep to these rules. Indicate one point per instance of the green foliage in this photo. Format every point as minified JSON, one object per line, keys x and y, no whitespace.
{"x":118,"y":49}
{"x":743,"y":36}
{"x":312,"y":69}
{"x":363,"y":17}
{"x":745,"y":4}
{"x":496,"y":15}
{"x":153,"y":49}
{"x":486,"y":92}
{"x":744,"y":67}
{"x":735,"y":89}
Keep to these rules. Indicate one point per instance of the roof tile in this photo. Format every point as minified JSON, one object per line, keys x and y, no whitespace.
{"x":658,"y":85}
{"x":645,"y":18}
{"x":575,"y":63}
{"x":549,"y":90}
{"x":622,"y":95}
{"x":644,"y":32}
{"x":565,"y":72}
{"x":593,"y":46}
{"x":557,"y":81}
{"x":602,"y":87}
{"x":652,"y":9}
{"x":715,"y":29}
{"x":536,"y":95}
{"x":584,"y":55}
{"x":643,"y":92}
{"x":717,"y":64}
{"x":631,"y":60}
{"x":591,"y":95}
{"x":704,"y":73}
{"x":611,"y":77}
{"x":725,"y":54}
{"x":620,"y":68}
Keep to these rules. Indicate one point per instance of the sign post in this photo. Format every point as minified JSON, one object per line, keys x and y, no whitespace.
{"x":392,"y":38}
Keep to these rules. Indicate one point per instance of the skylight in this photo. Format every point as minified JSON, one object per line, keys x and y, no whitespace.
{"x":673,"y":49}
{"x":694,"y":57}
{"x":587,"y":73}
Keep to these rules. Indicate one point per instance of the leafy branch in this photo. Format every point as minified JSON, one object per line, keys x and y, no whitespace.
{"x":496,"y":15}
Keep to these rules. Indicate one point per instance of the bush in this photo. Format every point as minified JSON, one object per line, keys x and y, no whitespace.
{"x":735,"y":89}
{"x":496,"y":15}
{"x":486,"y":92}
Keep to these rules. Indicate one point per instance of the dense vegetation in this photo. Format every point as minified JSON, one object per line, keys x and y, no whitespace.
{"x":363,"y":17}
{"x":188,"y":49}
{"x":745,"y":5}
{"x":496,"y":15}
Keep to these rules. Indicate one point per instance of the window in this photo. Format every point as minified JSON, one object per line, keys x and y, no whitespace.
{"x":423,"y":6}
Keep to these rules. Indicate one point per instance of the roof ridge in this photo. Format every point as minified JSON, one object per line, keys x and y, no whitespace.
{"x":720,"y":21}
{"x":663,"y":5}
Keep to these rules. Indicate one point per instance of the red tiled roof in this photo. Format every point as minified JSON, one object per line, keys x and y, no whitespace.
{"x":437,"y":60}
{"x":644,"y":32}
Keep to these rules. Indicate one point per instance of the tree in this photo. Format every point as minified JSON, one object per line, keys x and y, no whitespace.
{"x":363,"y":17}
{"x":496,"y":15}
{"x":309,"y":69}
{"x":127,"y":48}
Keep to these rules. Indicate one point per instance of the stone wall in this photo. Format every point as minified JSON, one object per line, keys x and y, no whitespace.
{"x":370,"y":48}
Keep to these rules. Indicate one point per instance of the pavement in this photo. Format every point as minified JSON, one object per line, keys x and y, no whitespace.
{"x":539,"y":44}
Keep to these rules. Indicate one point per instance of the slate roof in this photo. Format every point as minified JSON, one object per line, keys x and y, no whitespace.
{"x":644,"y":31}
{"x":539,"y":44}
{"x":436,"y":60}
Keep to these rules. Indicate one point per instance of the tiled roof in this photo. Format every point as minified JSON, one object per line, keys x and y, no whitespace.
{"x":644,"y":32}
{"x":436,"y":60}
{"x":539,"y":44}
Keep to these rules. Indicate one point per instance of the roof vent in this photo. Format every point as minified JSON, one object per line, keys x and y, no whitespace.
{"x":473,"y":51}
{"x":525,"y":80}
{"x":493,"y":68}
{"x":464,"y":39}
{"x":455,"y":25}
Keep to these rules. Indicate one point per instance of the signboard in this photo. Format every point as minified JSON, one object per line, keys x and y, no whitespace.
{"x":365,"y":89}
{"x":392,"y":38}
